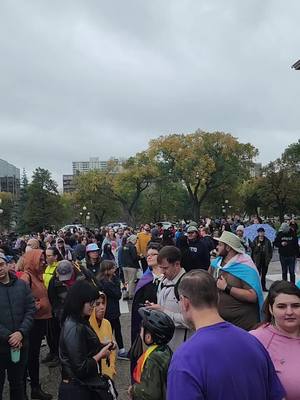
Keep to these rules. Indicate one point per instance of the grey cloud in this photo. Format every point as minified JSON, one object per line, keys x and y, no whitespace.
{"x":98,"y":78}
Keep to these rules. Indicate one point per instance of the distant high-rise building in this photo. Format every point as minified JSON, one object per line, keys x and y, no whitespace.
{"x":93,"y":163}
{"x":80,"y":167}
{"x":68,"y":184}
{"x":9,"y":178}
{"x":255,"y":171}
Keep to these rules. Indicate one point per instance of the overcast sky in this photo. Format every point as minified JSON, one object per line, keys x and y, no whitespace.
{"x":91,"y":78}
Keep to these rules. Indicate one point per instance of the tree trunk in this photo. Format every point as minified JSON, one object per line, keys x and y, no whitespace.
{"x":196,"y":210}
{"x":100,"y":218}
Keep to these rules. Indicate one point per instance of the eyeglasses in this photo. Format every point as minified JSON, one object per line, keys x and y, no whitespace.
{"x":182,"y":296}
{"x":152,"y":255}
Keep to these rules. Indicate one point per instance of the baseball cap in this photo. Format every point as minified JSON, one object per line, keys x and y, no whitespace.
{"x":64,"y":270}
{"x":92,"y":247}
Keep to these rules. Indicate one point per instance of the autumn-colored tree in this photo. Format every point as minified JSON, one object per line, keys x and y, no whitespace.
{"x":203,"y":161}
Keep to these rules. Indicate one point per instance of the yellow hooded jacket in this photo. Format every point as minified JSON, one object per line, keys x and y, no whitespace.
{"x":104,"y":333}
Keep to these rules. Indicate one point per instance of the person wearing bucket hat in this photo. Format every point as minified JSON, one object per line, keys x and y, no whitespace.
{"x":238,"y":281}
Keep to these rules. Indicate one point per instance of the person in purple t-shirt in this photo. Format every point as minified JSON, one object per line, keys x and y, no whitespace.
{"x":220,"y":361}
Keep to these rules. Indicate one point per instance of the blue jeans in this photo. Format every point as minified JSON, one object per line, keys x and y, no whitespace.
{"x":288,"y":265}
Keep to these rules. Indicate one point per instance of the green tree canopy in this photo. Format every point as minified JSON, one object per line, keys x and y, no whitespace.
{"x":43,"y":206}
{"x":203,"y":161}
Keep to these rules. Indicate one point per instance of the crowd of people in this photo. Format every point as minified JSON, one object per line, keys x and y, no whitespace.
{"x":201,"y":325}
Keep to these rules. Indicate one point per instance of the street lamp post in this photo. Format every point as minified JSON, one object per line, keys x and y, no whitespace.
{"x":1,"y":210}
{"x":85,"y":215}
{"x":225,"y":207}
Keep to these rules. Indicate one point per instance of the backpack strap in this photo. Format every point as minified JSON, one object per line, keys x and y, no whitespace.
{"x":29,"y":278}
{"x":174,"y":285}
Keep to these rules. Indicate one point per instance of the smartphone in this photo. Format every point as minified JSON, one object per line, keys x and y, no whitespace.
{"x":111,"y":346}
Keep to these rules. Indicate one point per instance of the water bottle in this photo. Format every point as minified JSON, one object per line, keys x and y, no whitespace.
{"x":15,"y":354}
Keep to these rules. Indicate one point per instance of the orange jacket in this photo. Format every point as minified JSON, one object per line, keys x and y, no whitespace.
{"x":33,"y":275}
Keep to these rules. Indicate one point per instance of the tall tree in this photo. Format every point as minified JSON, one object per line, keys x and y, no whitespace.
{"x":291,"y":156}
{"x":164,"y":200}
{"x":43,"y":207}
{"x":6,"y":206}
{"x":135,"y":177}
{"x":279,"y":188}
{"x":203,"y":161}
{"x":93,"y":190}
{"x":251,"y":195}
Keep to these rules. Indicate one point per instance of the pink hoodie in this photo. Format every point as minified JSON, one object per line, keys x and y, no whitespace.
{"x":285,"y":354}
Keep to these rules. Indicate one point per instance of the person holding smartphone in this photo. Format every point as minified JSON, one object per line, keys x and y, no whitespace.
{"x":80,"y":350}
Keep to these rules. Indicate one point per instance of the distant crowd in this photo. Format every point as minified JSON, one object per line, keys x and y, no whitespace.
{"x":194,"y":290}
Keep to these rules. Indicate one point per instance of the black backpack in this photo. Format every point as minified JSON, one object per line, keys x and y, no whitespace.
{"x":175,"y":286}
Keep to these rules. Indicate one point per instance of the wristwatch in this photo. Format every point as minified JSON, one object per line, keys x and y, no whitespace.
{"x":228,"y":289}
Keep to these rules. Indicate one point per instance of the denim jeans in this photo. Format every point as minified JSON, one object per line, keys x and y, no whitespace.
{"x":288,"y":265}
{"x":15,"y":374}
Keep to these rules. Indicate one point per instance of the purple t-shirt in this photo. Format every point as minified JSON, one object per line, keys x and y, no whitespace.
{"x":223,"y":362}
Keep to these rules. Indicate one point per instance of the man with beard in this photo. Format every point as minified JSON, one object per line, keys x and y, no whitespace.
{"x":220,"y":361}
{"x":238,"y":281}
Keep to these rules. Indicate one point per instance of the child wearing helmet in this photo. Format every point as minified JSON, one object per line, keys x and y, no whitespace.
{"x":150,"y":373}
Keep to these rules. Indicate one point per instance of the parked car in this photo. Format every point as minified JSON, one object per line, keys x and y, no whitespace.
{"x":117,"y":225}
{"x":165,"y":224}
{"x":71,"y":228}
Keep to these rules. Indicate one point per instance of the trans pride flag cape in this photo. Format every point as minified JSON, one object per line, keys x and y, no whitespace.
{"x":242,"y":267}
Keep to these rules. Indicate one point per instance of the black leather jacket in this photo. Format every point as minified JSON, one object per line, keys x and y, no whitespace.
{"x":78,"y":344}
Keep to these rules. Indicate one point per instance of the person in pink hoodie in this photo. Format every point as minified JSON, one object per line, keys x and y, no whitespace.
{"x":280,"y":334}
